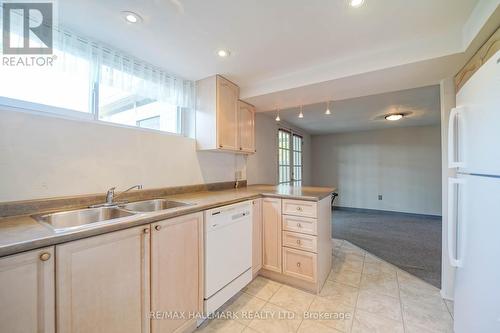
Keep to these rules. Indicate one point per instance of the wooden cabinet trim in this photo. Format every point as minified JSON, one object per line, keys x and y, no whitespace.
{"x":484,"y":53}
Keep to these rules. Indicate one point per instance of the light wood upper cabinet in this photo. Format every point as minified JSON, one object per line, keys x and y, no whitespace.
{"x":217,"y":114}
{"x":103,"y":283}
{"x":27,"y":292}
{"x":271,"y":233}
{"x":227,"y":114}
{"x":176,"y":271}
{"x":246,"y":127}
{"x":257,"y":235}
{"x":222,"y":121}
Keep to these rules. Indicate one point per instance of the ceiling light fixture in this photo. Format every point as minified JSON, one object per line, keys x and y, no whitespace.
{"x":394,"y":117}
{"x":301,"y":114}
{"x":278,"y":115}
{"x":356,"y":3}
{"x":223,"y":53}
{"x":328,"y":112}
{"x":132,"y":17}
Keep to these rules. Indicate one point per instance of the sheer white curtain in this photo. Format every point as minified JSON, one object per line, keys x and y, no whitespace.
{"x":124,"y":72}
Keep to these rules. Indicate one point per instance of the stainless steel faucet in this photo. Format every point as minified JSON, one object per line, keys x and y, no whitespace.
{"x":110,"y":195}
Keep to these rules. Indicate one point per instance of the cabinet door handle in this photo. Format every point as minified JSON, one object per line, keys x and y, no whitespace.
{"x":299,"y":209}
{"x":45,"y":256}
{"x":146,"y":230}
{"x":298,"y":264}
{"x":158,"y":227}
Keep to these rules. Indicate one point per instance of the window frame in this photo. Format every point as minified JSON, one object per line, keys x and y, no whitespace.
{"x":291,"y":150}
{"x":24,"y":106}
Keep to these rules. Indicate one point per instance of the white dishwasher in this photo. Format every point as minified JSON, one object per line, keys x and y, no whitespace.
{"x":228,"y":253}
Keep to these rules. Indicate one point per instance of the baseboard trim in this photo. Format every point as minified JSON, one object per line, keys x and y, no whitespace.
{"x":391,"y":212}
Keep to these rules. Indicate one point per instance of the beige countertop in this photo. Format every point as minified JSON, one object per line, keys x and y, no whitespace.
{"x":22,"y":233}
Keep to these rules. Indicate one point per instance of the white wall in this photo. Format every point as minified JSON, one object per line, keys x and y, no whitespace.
{"x":43,"y":156}
{"x":403,"y":165}
{"x":262,"y":167}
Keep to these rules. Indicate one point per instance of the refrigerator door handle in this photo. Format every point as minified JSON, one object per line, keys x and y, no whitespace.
{"x":452,"y":222}
{"x":452,"y":142}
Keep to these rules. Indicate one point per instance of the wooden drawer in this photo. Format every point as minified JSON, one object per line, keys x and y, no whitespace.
{"x":300,"y":241}
{"x":303,"y":225}
{"x":300,"y":208}
{"x":299,"y":264}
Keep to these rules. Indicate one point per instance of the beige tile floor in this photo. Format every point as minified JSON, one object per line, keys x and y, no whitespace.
{"x":362,"y":294}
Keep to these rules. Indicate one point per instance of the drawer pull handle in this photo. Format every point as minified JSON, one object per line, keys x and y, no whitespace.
{"x":298,"y":241}
{"x":158,"y":228}
{"x":299,"y":225}
{"x":298,"y":264}
{"x":146,"y":230}
{"x":45,"y":256}
{"x":299,"y":209}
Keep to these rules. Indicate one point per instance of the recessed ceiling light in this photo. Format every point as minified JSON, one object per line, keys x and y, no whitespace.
{"x":356,"y":3}
{"x":394,"y":117}
{"x":223,"y":53}
{"x":132,"y":17}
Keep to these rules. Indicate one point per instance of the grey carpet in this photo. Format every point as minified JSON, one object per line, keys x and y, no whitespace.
{"x":412,"y":243}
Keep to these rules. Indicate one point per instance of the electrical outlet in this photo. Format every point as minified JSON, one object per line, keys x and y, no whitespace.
{"x":380,"y":196}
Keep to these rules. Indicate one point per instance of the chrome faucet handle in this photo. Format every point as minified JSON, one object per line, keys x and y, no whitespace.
{"x":110,"y":195}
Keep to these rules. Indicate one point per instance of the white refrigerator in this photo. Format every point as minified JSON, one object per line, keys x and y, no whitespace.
{"x":474,"y":201}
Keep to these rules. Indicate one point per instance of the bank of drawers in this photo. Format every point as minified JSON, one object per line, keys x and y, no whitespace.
{"x":299,"y":239}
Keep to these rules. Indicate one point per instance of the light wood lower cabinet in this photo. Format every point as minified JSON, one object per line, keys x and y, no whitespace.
{"x":27,"y":292}
{"x":300,"y":208}
{"x":300,"y":264}
{"x":297,"y":242}
{"x":304,"y":225}
{"x":176,"y":272}
{"x":271,"y":233}
{"x":256,"y":235}
{"x":103,"y":283}
{"x":300,"y":241}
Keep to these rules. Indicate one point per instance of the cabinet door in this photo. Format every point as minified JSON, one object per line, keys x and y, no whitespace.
{"x":227,"y":114}
{"x":246,"y":121}
{"x":257,"y":235}
{"x":27,"y":292}
{"x":176,"y":272}
{"x":271,"y":219}
{"x":103,"y":283}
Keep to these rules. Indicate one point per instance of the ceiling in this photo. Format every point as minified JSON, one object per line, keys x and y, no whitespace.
{"x":286,"y":53}
{"x":270,"y":41}
{"x":367,"y":113}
